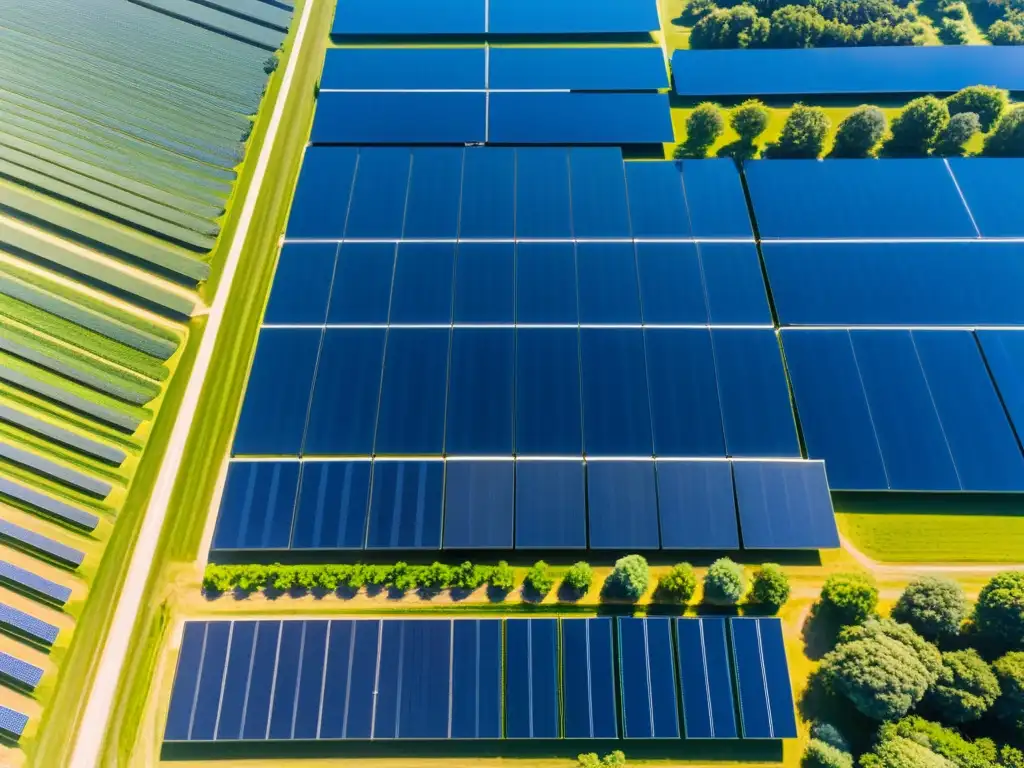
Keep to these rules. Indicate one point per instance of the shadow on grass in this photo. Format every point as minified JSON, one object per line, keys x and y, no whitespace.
{"x":818,"y":703}
{"x":738,"y":150}
{"x":819,"y":632}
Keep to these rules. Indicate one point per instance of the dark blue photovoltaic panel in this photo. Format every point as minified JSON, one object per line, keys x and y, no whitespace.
{"x":766,"y":699}
{"x":19,"y":673}
{"x":211,"y":678}
{"x":752,"y":385}
{"x":776,"y":669}
{"x":480,"y":392}
{"x":302,"y":284}
{"x":286,"y":680}
{"x":531,"y":679}
{"x":332,"y":505}
{"x":261,"y":681}
{"x":340,"y":660}
{"x":33,"y":542}
{"x":311,"y":680}
{"x":570,"y":17}
{"x":607,"y":281}
{"x":687,"y":417}
{"x":623,"y":505}
{"x":320,"y":207}
{"x":696,"y":505}
{"x":894,"y":198}
{"x":435,"y":191}
{"x":362,"y":283}
{"x":409,"y":17}
{"x":405,"y":505}
{"x":715,"y":202}
{"x":415,"y":675}
{"x":277,"y":393}
{"x":984,"y":448}
{"x":784,"y":505}
{"x":186,"y":677}
{"x":991,"y":186}
{"x":571,"y":118}
{"x":403,"y":69}
{"x":379,"y":192}
{"x":488,"y":193}
{"x":833,"y":408}
{"x":412,"y":398}
{"x":542,"y":193}
{"x":384,"y":118}
{"x":550,"y":505}
{"x":478,"y":504}
{"x":706,"y":679}
{"x":647,"y":679}
{"x":616,"y":406}
{"x":1004,"y":353}
{"x":735,"y":287}
{"x":342,"y":414}
{"x":476,"y":678}
{"x":599,"y":204}
{"x":12,"y":721}
{"x":588,"y":679}
{"x":960,"y":283}
{"x":885,"y":69}
{"x":672,"y":287}
{"x":33,"y":583}
{"x":236,"y":679}
{"x":548,"y":412}
{"x":485,"y":283}
{"x":257,"y":506}
{"x":23,"y":624}
{"x":422,"y":291}
{"x":546,"y":283}
{"x":576,"y":69}
{"x":657,"y":205}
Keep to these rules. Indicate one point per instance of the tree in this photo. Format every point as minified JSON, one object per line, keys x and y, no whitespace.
{"x":679,"y":584}
{"x":435,"y":577}
{"x":956,"y":134}
{"x":946,"y":742}
{"x":821,"y":755}
{"x":738,"y":27}
{"x":1009,"y":707}
{"x":218,"y":578}
{"x":629,"y":578}
{"x":1011,"y":757}
{"x":999,"y":612}
{"x":803,"y":134}
{"x":468,"y":576}
{"x":935,"y":607}
{"x":903,"y":753}
{"x":539,"y":578}
{"x":884,"y":33}
{"x":986,"y":101}
{"x":704,"y":126}
{"x":724,"y":582}
{"x":830,"y":735}
{"x":967,"y":687}
{"x":795,"y":26}
{"x":915,"y":129}
{"x":503,"y":578}
{"x":836,"y":34}
{"x":749,"y":120}
{"x":849,"y":598}
{"x":1004,"y":32}
{"x":859,"y":132}
{"x":927,"y":654}
{"x":578,"y":578}
{"x":1007,"y":140}
{"x":770,"y":586}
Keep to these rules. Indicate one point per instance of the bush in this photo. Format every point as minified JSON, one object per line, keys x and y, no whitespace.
{"x":749,"y":120}
{"x":679,"y":584}
{"x":860,"y":132}
{"x":704,"y":126}
{"x":591,"y":760}
{"x":999,"y":612}
{"x":956,"y":11}
{"x":849,"y":598}
{"x":738,"y":27}
{"x":915,"y":129}
{"x":435,"y":577}
{"x":803,"y":134}
{"x":218,"y":578}
{"x":502,"y":578}
{"x":944,"y":742}
{"x":986,"y":101}
{"x":795,"y":26}
{"x":1003,"y":32}
{"x":821,"y":755}
{"x":468,"y":576}
{"x":1009,"y":707}
{"x":935,"y":607}
{"x":954,"y":32}
{"x":629,"y":578}
{"x":539,"y":578}
{"x":1007,"y":140}
{"x":903,"y":753}
{"x":956,"y":134}
{"x":770,"y":586}
{"x":1011,"y":757}
{"x":724,"y":583}
{"x":927,"y":654}
{"x":250,"y":578}
{"x":967,"y":687}
{"x":829,"y":734}
{"x":885,"y":33}
{"x":578,"y":578}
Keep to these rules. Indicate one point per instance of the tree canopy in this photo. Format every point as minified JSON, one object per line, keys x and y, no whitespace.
{"x":850,"y":598}
{"x":724,"y":582}
{"x":860,"y":132}
{"x":915,"y":128}
{"x":999,"y":612}
{"x":629,"y":578}
{"x":935,"y":607}
{"x":803,"y":134}
{"x":986,"y":101}
{"x":966,"y":688}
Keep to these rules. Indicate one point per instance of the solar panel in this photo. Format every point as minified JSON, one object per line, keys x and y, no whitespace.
{"x":552,"y":117}
{"x":360,"y":18}
{"x":311,"y":680}
{"x":403,"y":69}
{"x":478,"y":504}
{"x":363,"y":279}
{"x":485,"y":283}
{"x":19,"y":672}
{"x":320,"y":206}
{"x":1004,"y":355}
{"x":488,"y":193}
{"x":19,"y":623}
{"x":546,"y":283}
{"x":784,"y":505}
{"x":762,"y":674}
{"x":379,"y":190}
{"x":411,"y":414}
{"x":354,"y":117}
{"x":616,"y":403}
{"x":696,"y":505}
{"x":39,"y":544}
{"x":257,"y":506}
{"x":285,"y":685}
{"x":186,"y":676}
{"x":12,"y":721}
{"x":598,"y":183}
{"x":352,"y":658}
{"x":577,"y":69}
{"x":433,"y":198}
{"x":261,"y":680}
{"x":570,"y":17}
{"x":623,"y":505}
{"x":41,"y":502}
{"x":236,"y":679}
{"x":531,"y":679}
{"x":476,"y":679}
{"x":34,"y":584}
{"x":405,"y":505}
{"x":647,"y":679}
{"x":302,"y":284}
{"x":588,"y":679}
{"x":542,"y":193}
{"x":211,"y":678}
{"x":550,"y":505}
{"x":332,"y":503}
{"x":479,"y":419}
{"x":414,"y":683}
{"x":705,"y":679}
{"x":989,"y":187}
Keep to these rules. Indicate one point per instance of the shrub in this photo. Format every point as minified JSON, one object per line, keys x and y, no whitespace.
{"x":578,"y":578}
{"x":795,"y":26}
{"x":738,"y":27}
{"x":770,"y":586}
{"x":402,"y":577}
{"x":724,"y":583}
{"x":944,"y":742}
{"x":539,"y":578}
{"x":306,"y":576}
{"x":954,"y":31}
{"x":1011,"y":757}
{"x":821,"y":755}
{"x":435,"y":577}
{"x":927,"y":654}
{"x":251,"y":578}
{"x":957,"y":10}
{"x":1009,"y":707}
{"x":468,"y":576}
{"x":1007,"y":140}
{"x":849,"y":598}
{"x":967,"y":687}
{"x":629,"y":578}
{"x":886,"y":33}
{"x":803,"y":134}
{"x":679,"y":584}
{"x":749,"y":120}
{"x":829,"y":734}
{"x":935,"y":607}
{"x":1003,"y":32}
{"x":591,"y":760}
{"x":218,"y":578}
{"x":915,"y":129}
{"x":502,"y":578}
{"x":986,"y":101}
{"x":281,"y":577}
{"x":999,"y":612}
{"x":903,"y":753}
{"x":704,"y":126}
{"x":956,"y":134}
{"x":860,"y":132}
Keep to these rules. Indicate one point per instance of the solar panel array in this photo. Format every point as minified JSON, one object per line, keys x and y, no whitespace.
{"x":12,"y":722}
{"x":37,"y":586}
{"x":40,"y":545}
{"x":18,"y":672}
{"x":420,"y":679}
{"x":23,"y":625}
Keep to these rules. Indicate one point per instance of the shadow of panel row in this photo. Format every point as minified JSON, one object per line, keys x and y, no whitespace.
{"x":525,"y":504}
{"x":428,"y":679}
{"x":535,"y":392}
{"x":504,"y":193}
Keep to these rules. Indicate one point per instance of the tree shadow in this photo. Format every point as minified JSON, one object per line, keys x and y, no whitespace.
{"x":531,"y":595}
{"x":691,"y":150}
{"x":496,"y":594}
{"x":567,"y":594}
{"x":738,"y":150}
{"x":819,"y":632}
{"x":819,"y":703}
{"x":759,"y":609}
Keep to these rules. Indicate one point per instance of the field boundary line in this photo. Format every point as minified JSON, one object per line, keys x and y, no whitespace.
{"x":99,"y":698}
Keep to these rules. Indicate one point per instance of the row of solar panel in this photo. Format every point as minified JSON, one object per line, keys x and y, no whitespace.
{"x":33,"y":584}
{"x":493,"y":18}
{"x":39,"y":545}
{"x":869,"y":70}
{"x":525,"y":283}
{"x":620,"y":68}
{"x":423,"y":679}
{"x":12,"y":722}
{"x":24,"y":625}
{"x":552,"y":505}
{"x":501,"y":117}
{"x":529,"y":391}
{"x":911,"y":410}
{"x":19,"y":673}
{"x":391,"y":193}
{"x":887,"y":199}
{"x":49,"y":506}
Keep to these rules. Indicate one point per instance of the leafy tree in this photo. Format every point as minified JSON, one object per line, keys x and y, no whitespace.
{"x":1011,"y":757}
{"x":749,"y":120}
{"x":770,"y":586}
{"x":579,"y":577}
{"x":738,"y":27}
{"x":375,"y":575}
{"x":935,"y":607}
{"x":218,"y":578}
{"x":1006,"y":32}
{"x":829,"y":734}
{"x":435,"y":577}
{"x":679,"y":584}
{"x":915,"y":129}
{"x":903,"y":753}
{"x":953,"y":32}
{"x":1007,"y":140}
{"x":821,"y":755}
{"x":945,"y":742}
{"x":836,"y":34}
{"x":956,"y":11}
{"x":539,"y":578}
{"x":859,"y":132}
{"x":629,"y":578}
{"x":967,"y":687}
{"x":956,"y":134}
{"x":1009,"y":707}
{"x":591,"y":760}
{"x":795,"y":26}
{"x":281,"y":577}
{"x":986,"y":101}
{"x":927,"y":654}
{"x":252,"y":578}
{"x":704,"y":126}
{"x":503,"y":578}
{"x":803,"y":134}
{"x":999,"y":612}
{"x":724,"y":582}
{"x":849,"y":598}
{"x":468,"y":576}
{"x":884,"y":33}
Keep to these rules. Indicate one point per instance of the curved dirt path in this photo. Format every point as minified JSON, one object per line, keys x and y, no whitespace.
{"x":910,"y":568}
